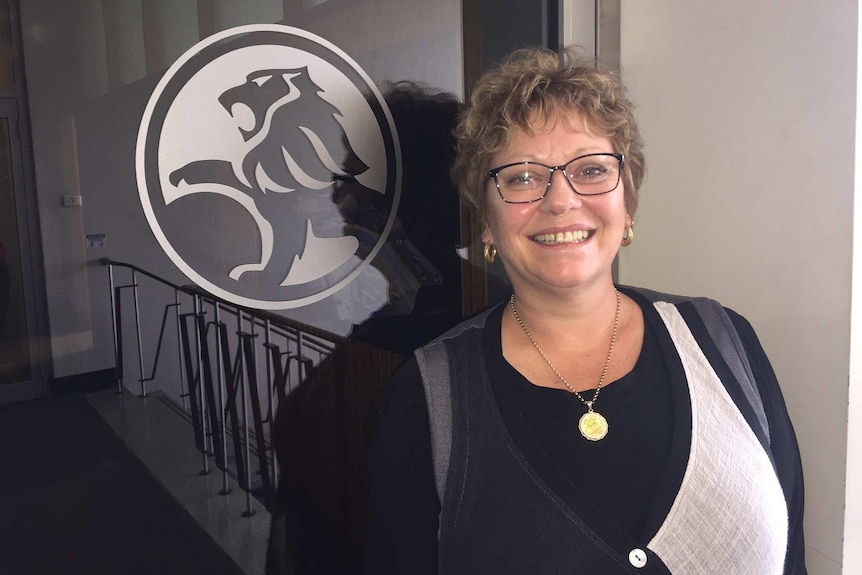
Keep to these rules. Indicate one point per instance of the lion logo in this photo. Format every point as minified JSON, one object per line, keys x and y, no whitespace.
{"x":244,"y":151}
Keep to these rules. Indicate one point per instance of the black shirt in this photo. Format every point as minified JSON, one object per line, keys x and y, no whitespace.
{"x":613,"y":479}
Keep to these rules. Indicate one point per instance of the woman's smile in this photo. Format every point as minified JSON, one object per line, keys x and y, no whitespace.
{"x":564,"y":239}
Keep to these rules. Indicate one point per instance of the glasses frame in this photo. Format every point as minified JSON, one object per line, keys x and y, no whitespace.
{"x":493,"y":173}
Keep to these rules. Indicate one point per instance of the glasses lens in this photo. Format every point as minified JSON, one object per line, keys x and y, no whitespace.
{"x":591,"y":175}
{"x":523,"y":182}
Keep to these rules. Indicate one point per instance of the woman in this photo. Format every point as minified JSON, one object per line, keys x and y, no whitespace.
{"x":580,"y":427}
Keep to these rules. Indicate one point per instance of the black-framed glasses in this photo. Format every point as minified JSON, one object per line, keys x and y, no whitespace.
{"x":587,"y":175}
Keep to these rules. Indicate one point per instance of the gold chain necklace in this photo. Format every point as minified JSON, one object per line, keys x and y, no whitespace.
{"x":592,"y":424}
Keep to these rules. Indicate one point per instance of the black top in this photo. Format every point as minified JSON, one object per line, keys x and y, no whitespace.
{"x":615,"y":477}
{"x":403,"y":505}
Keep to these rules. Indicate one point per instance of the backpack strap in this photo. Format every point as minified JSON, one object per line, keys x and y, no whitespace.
{"x":433,"y":363}
{"x":435,"y":368}
{"x":729,"y":344}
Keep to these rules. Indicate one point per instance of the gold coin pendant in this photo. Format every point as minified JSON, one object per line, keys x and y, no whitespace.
{"x":593,"y":426}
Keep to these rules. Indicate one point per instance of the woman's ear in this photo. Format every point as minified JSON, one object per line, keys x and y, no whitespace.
{"x":487,"y":236}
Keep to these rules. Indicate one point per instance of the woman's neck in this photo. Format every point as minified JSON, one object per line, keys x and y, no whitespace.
{"x":574,"y":332}
{"x":584,"y":309}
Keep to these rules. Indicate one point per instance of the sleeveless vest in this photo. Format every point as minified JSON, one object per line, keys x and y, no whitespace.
{"x":498,"y":516}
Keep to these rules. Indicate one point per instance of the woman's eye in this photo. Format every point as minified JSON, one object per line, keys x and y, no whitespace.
{"x":592,"y":172}
{"x":522,"y":179}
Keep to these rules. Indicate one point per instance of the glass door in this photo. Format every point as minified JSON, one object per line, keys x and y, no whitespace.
{"x":19,"y":377}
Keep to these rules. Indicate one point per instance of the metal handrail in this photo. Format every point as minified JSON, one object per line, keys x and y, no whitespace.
{"x":262,"y":315}
{"x":213,"y":387}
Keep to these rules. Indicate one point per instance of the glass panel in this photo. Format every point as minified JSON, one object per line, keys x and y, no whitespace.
{"x":14,"y":347}
{"x":7,"y":54}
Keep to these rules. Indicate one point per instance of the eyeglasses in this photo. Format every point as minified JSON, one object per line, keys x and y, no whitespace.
{"x":588,"y":175}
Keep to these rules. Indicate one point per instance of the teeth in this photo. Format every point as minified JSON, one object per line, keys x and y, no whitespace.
{"x":569,"y":237}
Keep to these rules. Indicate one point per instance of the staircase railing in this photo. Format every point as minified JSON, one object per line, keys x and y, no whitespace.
{"x":233,"y":366}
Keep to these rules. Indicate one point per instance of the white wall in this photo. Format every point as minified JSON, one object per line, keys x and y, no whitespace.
{"x":853,"y":505}
{"x":748,"y":111}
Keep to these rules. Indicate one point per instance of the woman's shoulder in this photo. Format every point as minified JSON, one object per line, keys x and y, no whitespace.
{"x":707,"y":319}
{"x":478,"y":321}
{"x":709,"y":310}
{"x":654,"y":296}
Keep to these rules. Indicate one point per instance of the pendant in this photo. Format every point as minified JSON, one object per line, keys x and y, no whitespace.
{"x":593,"y":426}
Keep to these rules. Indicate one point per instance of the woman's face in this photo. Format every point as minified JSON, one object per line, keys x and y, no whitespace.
{"x":533,"y":258}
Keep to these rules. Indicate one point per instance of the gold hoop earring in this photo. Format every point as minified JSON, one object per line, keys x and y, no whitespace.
{"x":490,"y":252}
{"x":628,"y":235}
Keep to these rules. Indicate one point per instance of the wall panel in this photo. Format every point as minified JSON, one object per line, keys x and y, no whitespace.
{"x":748,"y":113}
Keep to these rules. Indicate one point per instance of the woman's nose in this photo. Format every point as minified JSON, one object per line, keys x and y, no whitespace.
{"x":560,"y":196}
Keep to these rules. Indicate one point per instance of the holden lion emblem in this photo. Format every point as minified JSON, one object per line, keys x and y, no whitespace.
{"x":268,"y":166}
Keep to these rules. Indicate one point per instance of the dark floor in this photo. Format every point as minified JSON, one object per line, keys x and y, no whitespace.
{"x":75,"y":499}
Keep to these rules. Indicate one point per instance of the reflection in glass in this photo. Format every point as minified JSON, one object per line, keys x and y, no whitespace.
{"x":256,"y":141}
{"x":7,"y":54}
{"x":321,"y":428}
{"x":14,"y":345}
{"x":291,"y":138}
{"x":418,"y":261}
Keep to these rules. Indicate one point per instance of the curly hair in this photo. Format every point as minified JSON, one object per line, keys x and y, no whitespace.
{"x":530,"y":87}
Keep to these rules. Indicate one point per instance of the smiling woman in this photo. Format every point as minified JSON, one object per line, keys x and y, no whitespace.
{"x":560,"y":239}
{"x":583,"y":426}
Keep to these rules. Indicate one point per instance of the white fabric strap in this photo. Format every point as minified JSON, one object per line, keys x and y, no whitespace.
{"x":730,"y":515}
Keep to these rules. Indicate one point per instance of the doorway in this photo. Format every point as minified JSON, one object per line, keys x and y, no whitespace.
{"x":19,"y":375}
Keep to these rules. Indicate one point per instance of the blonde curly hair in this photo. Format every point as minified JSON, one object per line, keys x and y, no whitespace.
{"x":530,"y":87}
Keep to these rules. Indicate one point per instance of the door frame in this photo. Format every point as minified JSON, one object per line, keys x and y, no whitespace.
{"x":29,"y":247}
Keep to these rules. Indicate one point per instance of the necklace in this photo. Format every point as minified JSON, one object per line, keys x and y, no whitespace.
{"x":592,"y":424}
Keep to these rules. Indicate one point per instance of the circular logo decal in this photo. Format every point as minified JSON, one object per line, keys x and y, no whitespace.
{"x":268,"y":166}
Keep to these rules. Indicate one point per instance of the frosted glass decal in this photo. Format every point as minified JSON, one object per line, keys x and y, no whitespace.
{"x":254,"y":150}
